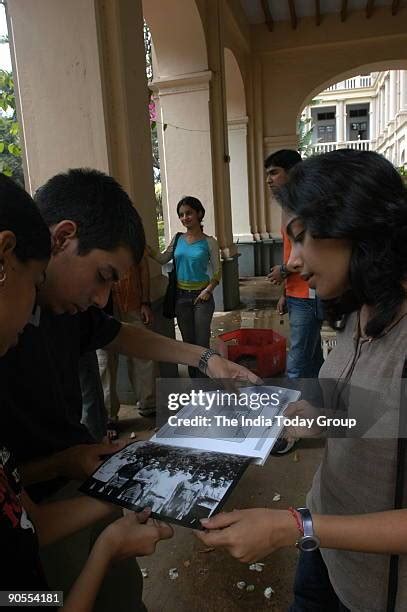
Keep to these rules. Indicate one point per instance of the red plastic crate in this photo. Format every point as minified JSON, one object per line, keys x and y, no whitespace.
{"x":267,"y":346}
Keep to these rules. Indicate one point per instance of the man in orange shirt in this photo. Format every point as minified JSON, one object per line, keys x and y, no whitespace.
{"x":131,"y":304}
{"x":304,"y":309}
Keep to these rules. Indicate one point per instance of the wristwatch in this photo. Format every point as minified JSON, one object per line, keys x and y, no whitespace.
{"x":309,"y":541}
{"x":203,"y":360}
{"x":283,"y":271}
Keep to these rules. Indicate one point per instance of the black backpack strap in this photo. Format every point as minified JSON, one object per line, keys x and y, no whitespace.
{"x":177,"y":235}
{"x":399,"y":488}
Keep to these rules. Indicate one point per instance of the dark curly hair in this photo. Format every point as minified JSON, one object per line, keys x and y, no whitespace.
{"x":358,"y":196}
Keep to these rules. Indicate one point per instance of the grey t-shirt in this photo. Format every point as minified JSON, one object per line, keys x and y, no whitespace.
{"x":357,"y":475}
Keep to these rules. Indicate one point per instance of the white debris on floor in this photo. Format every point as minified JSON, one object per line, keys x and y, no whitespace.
{"x":268,"y":592}
{"x":256,"y":567}
{"x":173,"y":573}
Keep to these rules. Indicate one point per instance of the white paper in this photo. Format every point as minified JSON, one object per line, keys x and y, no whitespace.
{"x":256,"y":440}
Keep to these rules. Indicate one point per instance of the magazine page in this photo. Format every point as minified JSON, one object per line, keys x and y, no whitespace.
{"x":180,"y":485}
{"x":246,"y":422}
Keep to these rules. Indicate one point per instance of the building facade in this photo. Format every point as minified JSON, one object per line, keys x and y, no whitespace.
{"x":367,"y":112}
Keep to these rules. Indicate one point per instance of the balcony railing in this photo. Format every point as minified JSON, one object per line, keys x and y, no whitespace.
{"x":353,"y":83}
{"x":325,"y":147}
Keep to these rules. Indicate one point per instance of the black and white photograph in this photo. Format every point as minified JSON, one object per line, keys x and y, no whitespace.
{"x":180,"y":485}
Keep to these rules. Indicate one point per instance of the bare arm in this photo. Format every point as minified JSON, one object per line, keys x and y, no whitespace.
{"x":76,"y":463}
{"x":164,"y":257}
{"x":57,"y":520}
{"x":252,"y":534}
{"x":146,"y":344}
{"x":126,"y":537}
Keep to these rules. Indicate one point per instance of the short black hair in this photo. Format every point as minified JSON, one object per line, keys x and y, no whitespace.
{"x":284,"y":158}
{"x":358,"y":196}
{"x":103,"y":212}
{"x":18,"y":214}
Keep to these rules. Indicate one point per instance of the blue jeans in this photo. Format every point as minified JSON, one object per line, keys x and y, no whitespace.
{"x":313,"y":591}
{"x":194,"y":320}
{"x":305,"y":356}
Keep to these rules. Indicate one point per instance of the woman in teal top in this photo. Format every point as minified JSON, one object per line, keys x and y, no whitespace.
{"x":198,"y":272}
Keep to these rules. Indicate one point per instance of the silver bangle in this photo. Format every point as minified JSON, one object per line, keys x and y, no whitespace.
{"x":204,"y":358}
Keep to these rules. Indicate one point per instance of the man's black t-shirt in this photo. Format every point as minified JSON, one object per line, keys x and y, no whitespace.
{"x":20,"y":567}
{"x":40,"y":385}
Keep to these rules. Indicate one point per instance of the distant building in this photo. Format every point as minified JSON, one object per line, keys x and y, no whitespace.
{"x":366,"y":112}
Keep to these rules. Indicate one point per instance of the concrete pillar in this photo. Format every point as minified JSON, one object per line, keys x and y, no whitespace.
{"x":386,"y":102}
{"x":76,"y":106}
{"x":219,"y":129}
{"x":259,"y":153}
{"x":392,"y":94}
{"x":372,"y":122}
{"x":182,"y":105}
{"x":251,"y":158}
{"x":403,"y":90}
{"x":340,"y":121}
{"x":237,"y":134}
{"x":382,"y":110}
{"x":377,"y":116}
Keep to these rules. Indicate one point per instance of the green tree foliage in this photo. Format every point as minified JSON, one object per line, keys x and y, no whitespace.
{"x":10,"y":145}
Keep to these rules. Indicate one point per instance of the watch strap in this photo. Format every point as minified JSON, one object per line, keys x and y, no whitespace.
{"x":204,"y":358}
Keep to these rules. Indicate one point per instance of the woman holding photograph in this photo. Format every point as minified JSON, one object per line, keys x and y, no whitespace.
{"x":346,"y":215}
{"x":25,"y":248}
{"x":194,"y":255}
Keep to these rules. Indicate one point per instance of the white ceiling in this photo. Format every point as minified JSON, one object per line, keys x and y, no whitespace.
{"x":280,"y":11}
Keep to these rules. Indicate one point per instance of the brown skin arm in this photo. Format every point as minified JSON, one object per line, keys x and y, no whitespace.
{"x":252,"y":534}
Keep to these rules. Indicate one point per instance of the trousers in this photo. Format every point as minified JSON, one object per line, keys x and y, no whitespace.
{"x":194,"y":320}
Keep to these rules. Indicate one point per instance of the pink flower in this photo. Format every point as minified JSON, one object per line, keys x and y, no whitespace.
{"x":152,"y":111}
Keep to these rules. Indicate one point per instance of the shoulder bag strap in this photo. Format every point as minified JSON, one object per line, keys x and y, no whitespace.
{"x":177,"y":235}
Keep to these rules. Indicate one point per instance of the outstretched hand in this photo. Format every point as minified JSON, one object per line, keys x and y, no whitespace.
{"x":80,"y":461}
{"x":218,"y":367}
{"x":133,"y":534}
{"x":250,"y":534}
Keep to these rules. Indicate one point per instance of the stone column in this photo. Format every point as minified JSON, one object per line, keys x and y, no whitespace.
{"x":340,"y":121}
{"x":215,"y":27}
{"x":237,"y":134}
{"x":386,"y":102}
{"x":382,"y":104}
{"x":259,"y":153}
{"x":77,"y":108}
{"x":372,"y":122}
{"x":56,"y":67}
{"x":403,"y":90}
{"x":392,"y":95}
{"x":377,"y":113}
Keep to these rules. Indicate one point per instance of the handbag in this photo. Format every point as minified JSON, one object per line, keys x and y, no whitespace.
{"x":398,"y":493}
{"x":170,"y":296}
